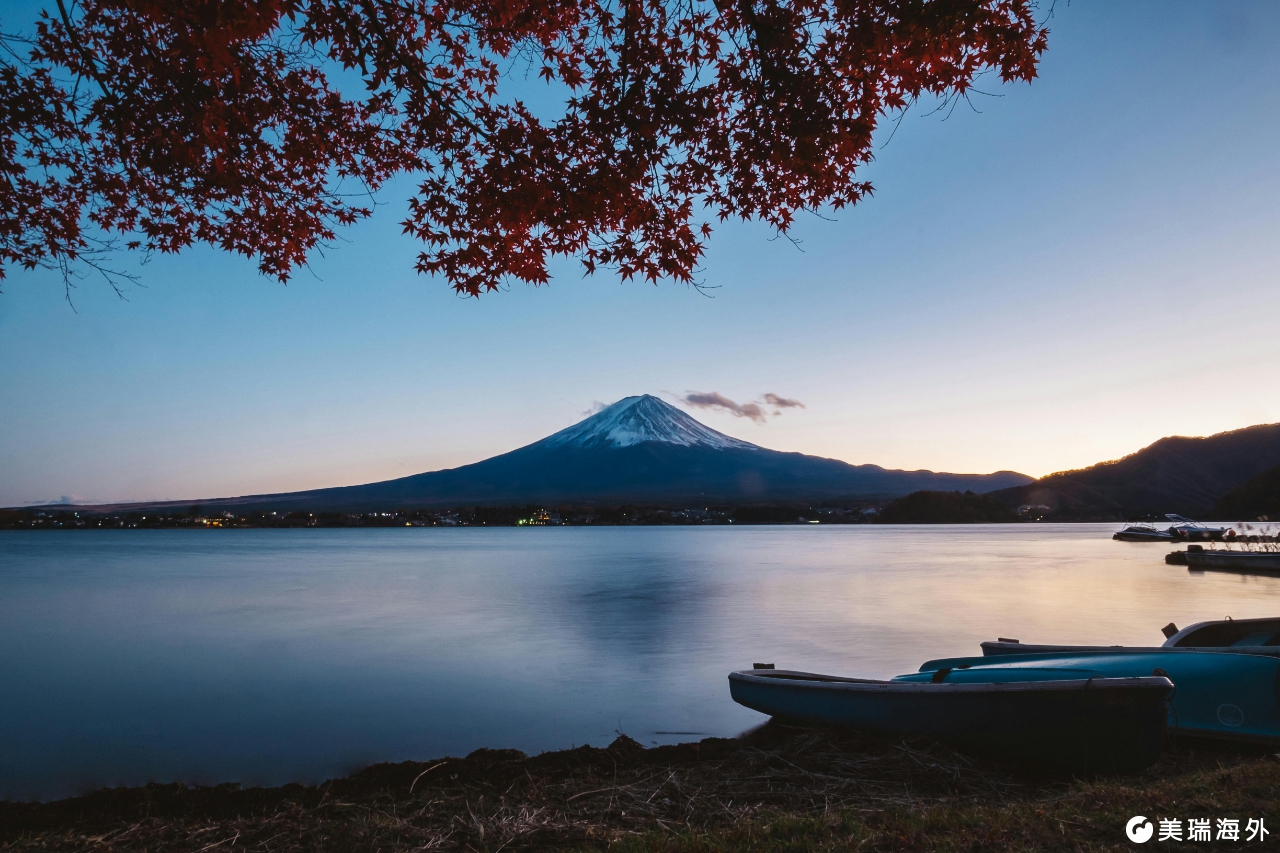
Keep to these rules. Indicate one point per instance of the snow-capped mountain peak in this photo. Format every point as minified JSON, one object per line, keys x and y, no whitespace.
{"x":633,"y":420}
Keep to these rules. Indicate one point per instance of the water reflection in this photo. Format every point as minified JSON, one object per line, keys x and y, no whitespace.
{"x":638,"y":605}
{"x":265,"y":656}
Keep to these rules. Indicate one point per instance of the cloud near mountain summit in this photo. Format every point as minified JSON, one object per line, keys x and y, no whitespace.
{"x":756,"y":410}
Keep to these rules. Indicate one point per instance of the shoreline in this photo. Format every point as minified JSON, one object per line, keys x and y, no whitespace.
{"x":777,"y":787}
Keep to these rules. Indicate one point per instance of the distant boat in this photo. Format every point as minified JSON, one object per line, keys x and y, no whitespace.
{"x":1185,"y":528}
{"x":1182,"y":528}
{"x":1219,"y":694}
{"x":1143,"y":533}
{"x":1080,"y":722}
{"x":1248,"y":636}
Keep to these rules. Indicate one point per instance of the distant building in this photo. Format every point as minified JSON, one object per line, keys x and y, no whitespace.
{"x":541,"y":517}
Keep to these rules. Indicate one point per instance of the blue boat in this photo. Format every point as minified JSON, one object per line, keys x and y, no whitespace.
{"x":1082,"y":723}
{"x":1217,"y":694}
{"x":1244,"y":636}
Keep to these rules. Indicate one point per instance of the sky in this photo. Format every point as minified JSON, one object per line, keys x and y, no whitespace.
{"x":1061,"y":275}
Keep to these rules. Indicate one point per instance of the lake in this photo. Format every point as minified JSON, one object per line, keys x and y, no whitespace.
{"x":266,"y":656}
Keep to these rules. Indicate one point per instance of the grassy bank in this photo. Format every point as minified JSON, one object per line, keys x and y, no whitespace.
{"x":777,"y":789}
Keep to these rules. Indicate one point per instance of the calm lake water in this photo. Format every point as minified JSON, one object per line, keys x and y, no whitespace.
{"x":265,"y":656}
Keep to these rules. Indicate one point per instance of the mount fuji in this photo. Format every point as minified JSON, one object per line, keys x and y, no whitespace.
{"x":639,"y":450}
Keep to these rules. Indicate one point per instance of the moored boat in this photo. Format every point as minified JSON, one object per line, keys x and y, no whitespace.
{"x":1218,"y":694}
{"x":1142,"y":533}
{"x":1194,"y":531}
{"x":1182,"y":529}
{"x":1247,"y":562}
{"x":1083,"y":723}
{"x":1246,"y":636}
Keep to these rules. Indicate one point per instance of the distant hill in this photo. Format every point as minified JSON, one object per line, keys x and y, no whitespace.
{"x":1256,"y":498}
{"x":945,"y":508}
{"x":639,"y":450}
{"x":1183,"y":475}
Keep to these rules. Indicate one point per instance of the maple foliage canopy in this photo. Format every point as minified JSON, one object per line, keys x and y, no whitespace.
{"x":261,"y":126}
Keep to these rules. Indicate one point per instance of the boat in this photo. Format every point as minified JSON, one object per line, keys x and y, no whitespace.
{"x":1217,"y":694}
{"x":1182,"y":529}
{"x":1142,"y":533}
{"x":1194,"y":531}
{"x":1068,"y":720}
{"x":1242,"y":636}
{"x":1247,"y":562}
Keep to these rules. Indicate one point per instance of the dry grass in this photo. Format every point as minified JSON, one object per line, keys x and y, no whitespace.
{"x":779,"y":788}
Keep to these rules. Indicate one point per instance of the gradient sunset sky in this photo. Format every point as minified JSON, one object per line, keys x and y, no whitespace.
{"x":1077,"y":268}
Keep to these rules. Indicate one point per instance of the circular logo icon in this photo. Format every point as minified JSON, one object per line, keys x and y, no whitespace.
{"x":1230,"y":715}
{"x":1139,"y":829}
